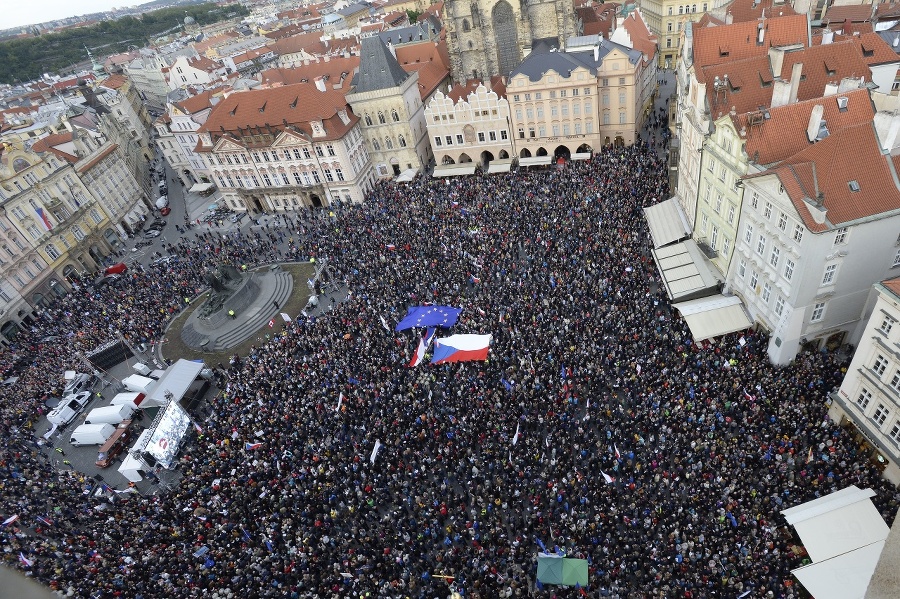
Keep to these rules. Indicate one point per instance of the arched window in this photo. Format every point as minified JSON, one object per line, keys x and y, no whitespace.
{"x":395,"y":116}
{"x":381,"y":118}
{"x":402,"y":141}
{"x":375,"y":145}
{"x":466,"y":25}
{"x":388,"y":143}
{"x":368,"y":120}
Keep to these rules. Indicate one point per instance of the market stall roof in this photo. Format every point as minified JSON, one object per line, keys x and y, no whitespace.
{"x":500,"y":166}
{"x":581,"y":156}
{"x":200,"y":187}
{"x":712,"y":316}
{"x":685,"y":271}
{"x":844,"y":535}
{"x":407,"y":175}
{"x":454,"y":170}
{"x":668,"y":223}
{"x":536,"y":161}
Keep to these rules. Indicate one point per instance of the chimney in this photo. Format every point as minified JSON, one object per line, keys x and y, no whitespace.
{"x":830,"y":89}
{"x":827,"y":36}
{"x":597,"y":53}
{"x":796,"y":71}
{"x":729,"y":18}
{"x":891,"y":139}
{"x":776,"y":59}
{"x":850,"y":83}
{"x":815,"y":120}
{"x":760,"y":34}
{"x":320,"y":84}
{"x":781,"y":92}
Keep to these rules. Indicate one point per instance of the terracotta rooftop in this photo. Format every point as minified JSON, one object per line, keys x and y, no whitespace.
{"x":751,"y":81}
{"x":273,"y":109}
{"x":708,"y":20}
{"x":308,"y":72}
{"x":726,"y":43}
{"x":887,"y":11}
{"x":214,"y":41}
{"x":742,"y":11}
{"x":51,"y":143}
{"x":204,"y":63}
{"x":197,"y":103}
{"x":783,"y":134}
{"x":875,"y":50}
{"x":825,"y":168}
{"x":641,"y":37}
{"x":114,"y":81}
{"x":858,"y":13}
{"x":893,"y":285}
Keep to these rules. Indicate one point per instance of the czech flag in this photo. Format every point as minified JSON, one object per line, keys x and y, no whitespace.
{"x":391,"y":247}
{"x":252,"y":446}
{"x":461,"y":348}
{"x":424,"y":342}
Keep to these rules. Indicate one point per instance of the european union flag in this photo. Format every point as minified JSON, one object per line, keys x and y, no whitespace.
{"x":429,"y":316}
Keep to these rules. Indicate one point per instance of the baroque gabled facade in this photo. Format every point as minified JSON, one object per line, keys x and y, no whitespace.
{"x":491,"y":37}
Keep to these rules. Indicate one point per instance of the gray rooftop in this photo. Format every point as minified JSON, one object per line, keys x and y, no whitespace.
{"x":352,"y":9}
{"x":537,"y":63}
{"x":378,"y":68}
{"x":405,"y":35}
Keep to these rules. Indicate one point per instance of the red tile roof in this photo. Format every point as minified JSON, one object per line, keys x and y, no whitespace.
{"x":726,"y":43}
{"x":197,"y":103}
{"x":642,"y":39}
{"x":892,"y":285}
{"x":742,"y":11}
{"x":330,"y":69}
{"x":269,"y":109}
{"x":114,"y":81}
{"x":858,"y":13}
{"x":825,"y":168}
{"x":50,"y":143}
{"x":874,"y":49}
{"x":426,"y":58}
{"x":783,"y":134}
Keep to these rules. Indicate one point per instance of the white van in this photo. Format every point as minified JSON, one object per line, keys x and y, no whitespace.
{"x":109,"y":415}
{"x":91,"y":434}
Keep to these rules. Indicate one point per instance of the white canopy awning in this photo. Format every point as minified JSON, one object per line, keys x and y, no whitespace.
{"x":200,"y":187}
{"x":685,"y":271}
{"x":176,"y":380}
{"x":844,"y":534}
{"x":668,"y":223}
{"x":407,"y":175}
{"x":581,"y":156}
{"x":535,"y":161}
{"x":712,"y":316}
{"x":454,"y":170}
{"x":500,"y":166}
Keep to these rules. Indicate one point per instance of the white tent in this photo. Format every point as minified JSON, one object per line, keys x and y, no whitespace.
{"x":843,"y":533}
{"x":131,"y":467}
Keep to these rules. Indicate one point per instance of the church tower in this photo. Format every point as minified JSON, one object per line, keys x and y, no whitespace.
{"x":491,"y":37}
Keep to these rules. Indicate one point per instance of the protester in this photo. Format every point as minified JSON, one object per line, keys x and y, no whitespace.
{"x":662,"y":462}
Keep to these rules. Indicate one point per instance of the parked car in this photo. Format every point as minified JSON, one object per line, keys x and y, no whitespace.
{"x":151,"y":233}
{"x":69,"y":408}
{"x":78,"y":384}
{"x":165,"y":211}
{"x":236,"y":218}
{"x":116,"y":269}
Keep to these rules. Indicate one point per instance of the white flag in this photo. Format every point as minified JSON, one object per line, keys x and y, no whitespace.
{"x":639,"y":369}
{"x":340,"y":401}
{"x":385,"y":324}
{"x":516,"y":436}
{"x":510,"y":458}
{"x":587,"y":409}
{"x":375,"y":451}
{"x":285,"y":317}
{"x":609,"y":480}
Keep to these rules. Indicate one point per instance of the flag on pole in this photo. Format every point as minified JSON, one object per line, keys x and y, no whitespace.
{"x":587,"y":409}
{"x":46,"y":521}
{"x":340,"y":401}
{"x":385,"y":324}
{"x":28,"y":563}
{"x":252,"y":446}
{"x":609,"y":480}
{"x":516,"y":436}
{"x":510,"y":459}
{"x":638,"y":369}
{"x":809,"y":456}
{"x":10,"y":520}
{"x":197,"y":427}
{"x":246,"y":534}
{"x":375,"y":451}
{"x":424,"y":342}
{"x":618,"y":455}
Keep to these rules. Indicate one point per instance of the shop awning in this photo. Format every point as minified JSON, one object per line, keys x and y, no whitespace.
{"x":536,"y":161}
{"x":581,"y":156}
{"x":200,"y":187}
{"x":713,"y":316}
{"x":454,"y":170}
{"x":685,"y":271}
{"x":668,"y":223}
{"x":500,"y":166}
{"x":844,"y":535}
{"x":407,"y":175}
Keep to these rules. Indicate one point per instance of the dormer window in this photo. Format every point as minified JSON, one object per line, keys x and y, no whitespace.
{"x":854,"y":185}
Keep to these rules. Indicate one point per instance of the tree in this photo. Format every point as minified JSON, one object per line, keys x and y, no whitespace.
{"x":413,"y":15}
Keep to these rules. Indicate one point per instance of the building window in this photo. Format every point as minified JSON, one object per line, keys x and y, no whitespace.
{"x":504,"y":135}
{"x":828,"y":277}
{"x":761,"y":244}
{"x":788,"y":269}
{"x":381,"y":119}
{"x":766,"y":293}
{"x":748,"y":234}
{"x":880,"y":365}
{"x":782,"y":221}
{"x":726,"y":246}
{"x":767,"y":210}
{"x":732,"y":209}
{"x":895,"y":381}
{"x":339,"y":174}
{"x":754,"y":279}
{"x":395,"y":116}
{"x":437,"y":141}
{"x":492,"y":135}
{"x":714,"y":237}
{"x":779,"y":305}
{"x":481,"y":136}
{"x":798,"y":233}
{"x":841,"y":236}
{"x":718,"y":207}
{"x":77,"y":232}
{"x":754,"y":200}
{"x":818,"y":312}
{"x":880,"y":414}
{"x":896,"y":259}
{"x":402,"y":141}
{"x":886,"y":325}
{"x":863,"y":399}
{"x":773,"y":259}
{"x":266,"y":180}
{"x":742,"y":268}
{"x":52,"y":251}
{"x":704,"y":223}
{"x":448,"y":139}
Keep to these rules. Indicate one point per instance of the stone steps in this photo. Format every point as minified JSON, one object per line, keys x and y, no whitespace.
{"x":261,"y":316}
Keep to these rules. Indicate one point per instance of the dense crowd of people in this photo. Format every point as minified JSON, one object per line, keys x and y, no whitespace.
{"x":330,"y":468}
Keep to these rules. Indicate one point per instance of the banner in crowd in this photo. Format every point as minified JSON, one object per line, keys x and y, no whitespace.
{"x":429,"y":316}
{"x":461,"y":348}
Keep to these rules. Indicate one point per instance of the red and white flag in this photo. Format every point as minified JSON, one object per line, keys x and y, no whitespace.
{"x":424,"y":342}
{"x":618,"y":455}
{"x":609,"y":480}
{"x":340,"y":401}
{"x":28,"y":563}
{"x":271,"y":323}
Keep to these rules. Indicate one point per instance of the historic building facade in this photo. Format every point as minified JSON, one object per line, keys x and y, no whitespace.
{"x":491,"y":37}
